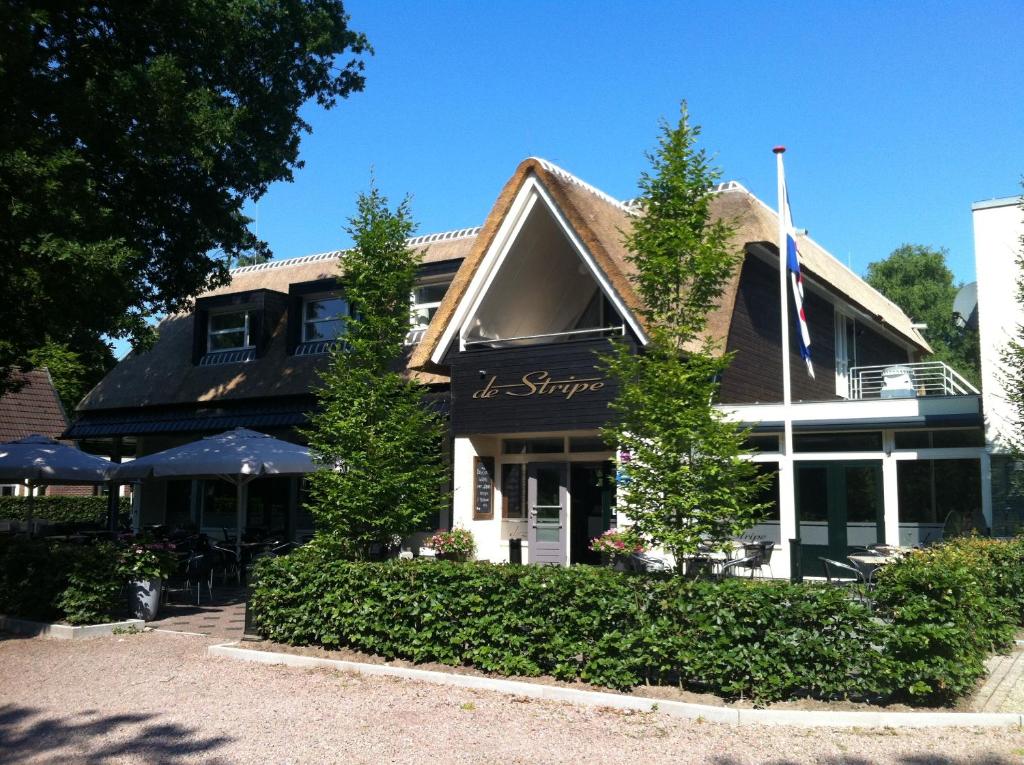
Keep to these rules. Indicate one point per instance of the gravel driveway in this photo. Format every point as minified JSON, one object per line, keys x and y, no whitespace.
{"x":158,"y":698}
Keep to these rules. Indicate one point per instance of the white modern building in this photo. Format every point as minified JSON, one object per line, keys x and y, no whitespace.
{"x":998,"y":232}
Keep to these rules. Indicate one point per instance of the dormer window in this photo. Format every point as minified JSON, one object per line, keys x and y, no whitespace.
{"x":426,"y":298}
{"x":229,"y":331}
{"x":323,"y":318}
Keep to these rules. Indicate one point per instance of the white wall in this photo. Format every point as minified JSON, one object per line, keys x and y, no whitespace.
{"x":998,"y":226}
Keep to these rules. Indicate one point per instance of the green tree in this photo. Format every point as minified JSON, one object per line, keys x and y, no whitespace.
{"x":688,"y":480}
{"x":132,"y":133}
{"x":74,"y":372}
{"x":1012,"y":372}
{"x":375,"y":429}
{"x":917,"y":279}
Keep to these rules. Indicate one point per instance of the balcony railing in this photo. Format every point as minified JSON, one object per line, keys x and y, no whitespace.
{"x":927,"y":378}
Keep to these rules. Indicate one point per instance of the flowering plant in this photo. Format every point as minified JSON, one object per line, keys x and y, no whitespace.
{"x":137,"y":562}
{"x":457,"y":543}
{"x":618,"y":542}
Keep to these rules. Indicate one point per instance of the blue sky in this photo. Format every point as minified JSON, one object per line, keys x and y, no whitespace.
{"x":896,"y":115}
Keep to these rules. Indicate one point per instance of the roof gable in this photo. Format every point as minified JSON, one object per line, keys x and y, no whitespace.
{"x":33,"y":408}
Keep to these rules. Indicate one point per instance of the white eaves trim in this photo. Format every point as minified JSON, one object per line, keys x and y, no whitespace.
{"x":529,"y":195}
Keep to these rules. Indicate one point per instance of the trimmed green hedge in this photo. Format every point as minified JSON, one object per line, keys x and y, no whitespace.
{"x":937,"y":615}
{"x":738,"y":638}
{"x":49,"y":581}
{"x":63,"y":509}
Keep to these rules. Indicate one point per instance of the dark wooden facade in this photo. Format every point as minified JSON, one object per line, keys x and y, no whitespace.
{"x":529,"y":389}
{"x":755,"y":338}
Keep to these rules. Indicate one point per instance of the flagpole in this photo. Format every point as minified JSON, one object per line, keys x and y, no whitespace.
{"x":787,"y":500}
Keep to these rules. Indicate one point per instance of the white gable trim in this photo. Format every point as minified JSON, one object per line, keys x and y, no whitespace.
{"x":529,"y":195}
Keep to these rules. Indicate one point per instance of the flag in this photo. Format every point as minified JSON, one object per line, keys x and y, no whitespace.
{"x":796,"y":279}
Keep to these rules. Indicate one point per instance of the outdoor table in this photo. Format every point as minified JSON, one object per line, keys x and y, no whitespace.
{"x":868,"y":563}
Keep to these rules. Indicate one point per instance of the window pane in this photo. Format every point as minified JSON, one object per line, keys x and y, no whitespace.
{"x":326,"y":308}
{"x":220,"y":321}
{"x":533,"y":446}
{"x":430,"y":293}
{"x":838,"y":442}
{"x":762,"y":443}
{"x":914,"y":479}
{"x":420,"y":317}
{"x":588,"y":444}
{"x":512,"y":493}
{"x":549,"y":485}
{"x":323,"y":330}
{"x":227,"y":340}
{"x":946,"y":439}
{"x":812,"y":492}
{"x":770,"y":493}
{"x":913,"y":439}
{"x":862,"y":493}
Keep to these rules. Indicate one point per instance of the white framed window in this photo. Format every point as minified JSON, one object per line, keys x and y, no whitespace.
{"x":426,"y":299}
{"x":323,"y":318}
{"x":846,"y":351}
{"x":229,"y":331}
{"x":8,"y":490}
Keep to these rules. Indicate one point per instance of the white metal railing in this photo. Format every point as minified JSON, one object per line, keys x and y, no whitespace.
{"x":596,"y":331}
{"x":926,"y":378}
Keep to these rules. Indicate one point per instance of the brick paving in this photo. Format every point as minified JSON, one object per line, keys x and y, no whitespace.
{"x":222,"y":616}
{"x":1003,"y":690}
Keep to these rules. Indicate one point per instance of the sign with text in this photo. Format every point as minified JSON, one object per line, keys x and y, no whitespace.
{"x":483,"y":488}
{"x":548,"y":388}
{"x":540,"y":383}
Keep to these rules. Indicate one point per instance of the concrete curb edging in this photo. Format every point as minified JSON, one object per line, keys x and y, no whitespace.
{"x":30,"y":628}
{"x":730,"y":715}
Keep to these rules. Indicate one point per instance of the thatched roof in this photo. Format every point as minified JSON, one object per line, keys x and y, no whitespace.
{"x":166,"y":375}
{"x":602,"y":223}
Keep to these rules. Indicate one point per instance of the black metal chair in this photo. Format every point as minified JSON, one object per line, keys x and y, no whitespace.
{"x":837,"y":572}
{"x":199,"y":569}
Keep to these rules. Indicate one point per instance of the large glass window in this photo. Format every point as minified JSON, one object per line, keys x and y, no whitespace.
{"x":323,"y":318}
{"x":769,"y":494}
{"x":533,"y":446}
{"x":838,"y":442}
{"x":229,"y":331}
{"x":929,"y":490}
{"x":513,"y":491}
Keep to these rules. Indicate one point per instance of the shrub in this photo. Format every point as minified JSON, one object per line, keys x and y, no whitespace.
{"x":48,"y":581}
{"x":937,"y":615}
{"x":765,"y":640}
{"x":949,"y":606}
{"x":63,"y":509}
{"x":94,"y":581}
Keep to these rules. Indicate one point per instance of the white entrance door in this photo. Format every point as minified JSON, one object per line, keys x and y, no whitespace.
{"x":548,"y":499}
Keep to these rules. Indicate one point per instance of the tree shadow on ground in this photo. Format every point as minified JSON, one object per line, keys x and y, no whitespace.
{"x":930,"y":758}
{"x":28,"y":735}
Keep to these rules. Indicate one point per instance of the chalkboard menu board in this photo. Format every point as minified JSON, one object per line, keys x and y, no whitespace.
{"x":483,"y":488}
{"x":512,"y":490}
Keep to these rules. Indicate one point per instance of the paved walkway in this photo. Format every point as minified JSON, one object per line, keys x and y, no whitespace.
{"x":158,"y":698}
{"x":1003,"y":691}
{"x":223,"y":616}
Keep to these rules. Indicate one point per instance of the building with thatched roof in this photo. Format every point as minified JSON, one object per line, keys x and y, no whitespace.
{"x":507,"y":321}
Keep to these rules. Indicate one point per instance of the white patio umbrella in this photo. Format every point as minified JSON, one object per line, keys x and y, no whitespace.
{"x":40,"y":460}
{"x":238,"y":456}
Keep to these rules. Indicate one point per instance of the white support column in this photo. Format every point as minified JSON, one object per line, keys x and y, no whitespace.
{"x":787,"y":514}
{"x":890,"y":491}
{"x":137,"y":508}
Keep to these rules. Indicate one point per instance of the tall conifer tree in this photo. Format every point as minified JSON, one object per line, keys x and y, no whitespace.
{"x":686,"y":480}
{"x":375,"y":429}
